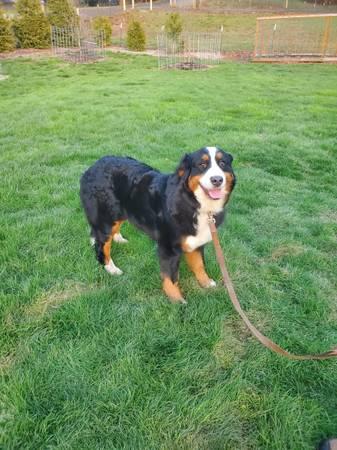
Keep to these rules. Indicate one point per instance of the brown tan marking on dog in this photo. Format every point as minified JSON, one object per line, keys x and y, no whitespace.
{"x":172,"y":290}
{"x":196,"y":264}
{"x":193,"y":182}
{"x":229,"y":182}
{"x":107,"y":245}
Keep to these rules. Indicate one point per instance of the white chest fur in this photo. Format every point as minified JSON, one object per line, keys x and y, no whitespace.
{"x":203,"y":234}
{"x":207,"y":205}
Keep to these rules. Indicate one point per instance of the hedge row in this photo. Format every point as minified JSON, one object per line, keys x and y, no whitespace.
{"x":31,"y":26}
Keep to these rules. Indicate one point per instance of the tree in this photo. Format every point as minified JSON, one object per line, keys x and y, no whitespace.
{"x":7,"y":42}
{"x":103,"y":24}
{"x":174,"y":25}
{"x":61,"y":13}
{"x":31,"y":26}
{"x":135,"y":36}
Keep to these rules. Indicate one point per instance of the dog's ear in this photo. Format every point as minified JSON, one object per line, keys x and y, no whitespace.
{"x":184,"y":168}
{"x":230,"y":158}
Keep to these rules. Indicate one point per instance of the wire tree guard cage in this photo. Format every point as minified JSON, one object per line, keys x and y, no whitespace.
{"x":307,"y":38}
{"x":78,"y":44}
{"x":188,"y":51}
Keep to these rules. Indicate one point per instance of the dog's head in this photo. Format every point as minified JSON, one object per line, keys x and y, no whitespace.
{"x":208,"y":173}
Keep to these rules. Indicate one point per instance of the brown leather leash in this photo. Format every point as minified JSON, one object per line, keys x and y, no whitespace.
{"x":232,"y":295}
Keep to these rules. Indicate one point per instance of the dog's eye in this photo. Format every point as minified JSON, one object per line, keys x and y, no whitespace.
{"x":203,"y":166}
{"x":222,"y":164}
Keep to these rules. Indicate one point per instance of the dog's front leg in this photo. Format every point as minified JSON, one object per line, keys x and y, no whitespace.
{"x":169,"y":270}
{"x":195,"y":261}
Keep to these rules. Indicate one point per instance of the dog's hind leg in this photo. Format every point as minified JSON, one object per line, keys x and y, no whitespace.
{"x":92,"y":237}
{"x":103,"y":249}
{"x":169,"y":267}
{"x":117,"y":236}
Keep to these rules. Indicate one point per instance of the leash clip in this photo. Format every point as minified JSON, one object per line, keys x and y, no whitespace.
{"x":211,"y":218}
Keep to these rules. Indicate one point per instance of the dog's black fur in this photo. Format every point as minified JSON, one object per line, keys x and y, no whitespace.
{"x":115,"y":189}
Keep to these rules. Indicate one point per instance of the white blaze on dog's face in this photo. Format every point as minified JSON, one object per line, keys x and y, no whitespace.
{"x":213,"y":181}
{"x":211,"y":178}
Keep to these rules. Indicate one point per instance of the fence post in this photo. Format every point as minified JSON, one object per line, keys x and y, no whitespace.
{"x":256,"y":37}
{"x":120,"y":34}
{"x":326,"y":35}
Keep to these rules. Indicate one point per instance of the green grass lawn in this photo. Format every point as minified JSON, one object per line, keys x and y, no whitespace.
{"x":91,"y":361}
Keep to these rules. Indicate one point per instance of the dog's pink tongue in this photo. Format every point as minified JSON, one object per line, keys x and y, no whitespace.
{"x":215,"y":194}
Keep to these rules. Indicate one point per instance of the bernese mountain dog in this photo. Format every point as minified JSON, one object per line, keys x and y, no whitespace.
{"x":172,"y":209}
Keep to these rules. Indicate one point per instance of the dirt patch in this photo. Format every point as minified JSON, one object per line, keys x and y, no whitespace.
{"x":237,"y":56}
{"x":6,"y":363}
{"x":231,"y":345}
{"x":55,"y":298}
{"x":329,"y":217}
{"x":287,"y":250}
{"x":27,"y":53}
{"x":47,"y":53}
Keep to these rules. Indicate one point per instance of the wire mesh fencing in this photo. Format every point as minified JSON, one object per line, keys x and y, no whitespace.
{"x":77,"y":44}
{"x":306,"y":36}
{"x":188,"y":51}
{"x":305,"y":6}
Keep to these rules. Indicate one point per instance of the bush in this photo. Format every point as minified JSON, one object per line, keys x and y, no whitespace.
{"x":7,"y":42}
{"x":174,"y":25}
{"x":61,"y":13}
{"x":31,"y":26}
{"x":135,"y":37}
{"x":103,"y":24}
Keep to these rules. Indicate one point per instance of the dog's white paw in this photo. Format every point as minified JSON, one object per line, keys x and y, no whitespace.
{"x":119,"y":238}
{"x":92,"y":241}
{"x":211,"y":284}
{"x":112,"y":269}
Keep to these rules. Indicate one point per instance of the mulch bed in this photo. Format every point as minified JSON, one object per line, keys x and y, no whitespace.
{"x":47,"y":53}
{"x":27,"y":53}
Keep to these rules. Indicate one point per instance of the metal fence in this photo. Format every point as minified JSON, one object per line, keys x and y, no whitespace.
{"x":188,"y":50}
{"x":91,"y":12}
{"x":312,"y":6}
{"x":77,"y":44}
{"x":308,"y":37}
{"x":92,"y":8}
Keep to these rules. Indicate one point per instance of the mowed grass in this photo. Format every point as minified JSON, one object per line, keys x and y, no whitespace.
{"x":90,"y":361}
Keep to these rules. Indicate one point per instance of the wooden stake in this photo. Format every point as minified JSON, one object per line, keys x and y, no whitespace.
{"x":256,"y":38}
{"x":326,"y":35}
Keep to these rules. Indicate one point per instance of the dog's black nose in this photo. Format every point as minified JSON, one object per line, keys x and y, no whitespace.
{"x":216,"y":181}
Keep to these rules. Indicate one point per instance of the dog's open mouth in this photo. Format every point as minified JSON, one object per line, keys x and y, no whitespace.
{"x":214,"y":194}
